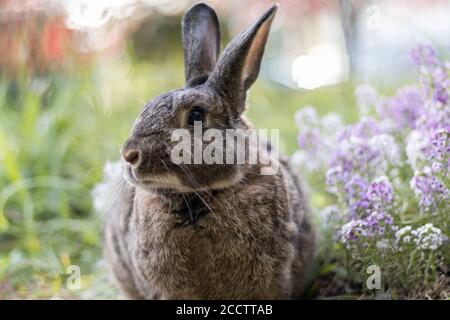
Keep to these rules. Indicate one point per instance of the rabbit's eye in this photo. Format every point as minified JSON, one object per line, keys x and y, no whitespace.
{"x":196,"y":115}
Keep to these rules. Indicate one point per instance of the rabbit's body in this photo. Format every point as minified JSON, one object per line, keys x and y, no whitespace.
{"x":211,"y":231}
{"x":245,"y":243}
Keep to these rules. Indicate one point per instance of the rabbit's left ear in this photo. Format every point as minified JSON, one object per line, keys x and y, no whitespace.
{"x":201,"y":42}
{"x":238,"y":67}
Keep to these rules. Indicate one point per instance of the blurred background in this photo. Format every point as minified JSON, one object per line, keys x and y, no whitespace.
{"x":74,"y":75}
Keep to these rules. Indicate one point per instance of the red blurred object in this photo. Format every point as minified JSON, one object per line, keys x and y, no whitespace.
{"x":33,"y":41}
{"x":55,"y":39}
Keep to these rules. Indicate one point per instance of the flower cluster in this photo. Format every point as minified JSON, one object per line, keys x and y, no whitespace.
{"x":370,"y":211}
{"x":389,"y":169}
{"x":316,"y":138}
{"x":429,"y":188}
{"x":402,"y":110}
{"x":426,"y":237}
{"x":432,"y":131}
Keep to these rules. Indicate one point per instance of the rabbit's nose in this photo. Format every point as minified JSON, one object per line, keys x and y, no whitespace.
{"x":131,"y":156}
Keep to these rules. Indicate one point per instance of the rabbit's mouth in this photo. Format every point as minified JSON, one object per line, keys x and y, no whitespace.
{"x":150,"y":183}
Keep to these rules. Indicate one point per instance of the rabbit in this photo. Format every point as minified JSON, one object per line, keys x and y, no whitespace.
{"x":198,"y":231}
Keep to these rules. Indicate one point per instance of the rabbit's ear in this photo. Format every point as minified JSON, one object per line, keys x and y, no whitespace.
{"x":238,"y":67}
{"x":201,"y":42}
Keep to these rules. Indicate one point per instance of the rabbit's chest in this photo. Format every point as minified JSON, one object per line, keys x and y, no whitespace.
{"x":195,"y":250}
{"x":175,"y":236}
{"x":223,"y":246}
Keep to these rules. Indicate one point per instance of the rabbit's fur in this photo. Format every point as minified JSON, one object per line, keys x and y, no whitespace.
{"x":207,"y":231}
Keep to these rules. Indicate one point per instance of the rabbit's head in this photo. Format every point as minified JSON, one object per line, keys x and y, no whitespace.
{"x":213,"y":97}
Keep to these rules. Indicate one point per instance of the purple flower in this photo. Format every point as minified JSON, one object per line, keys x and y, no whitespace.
{"x":364,"y":157}
{"x":381,"y":193}
{"x":334,"y":177}
{"x":440,"y":82}
{"x":424,"y":55}
{"x":434,"y":76}
{"x":430,"y":190}
{"x":376,"y":223}
{"x":366,"y":128}
{"x":356,"y":195}
{"x":353,"y":231}
{"x":404,"y":108}
{"x":441,"y":95}
{"x":436,"y":167}
{"x":440,"y":146}
{"x":435,"y":116}
{"x":316,"y":139}
{"x":354,"y":155}
{"x":309,"y":140}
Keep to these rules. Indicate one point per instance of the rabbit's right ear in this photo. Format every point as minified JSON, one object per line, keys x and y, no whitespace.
{"x":201,"y":42}
{"x":239,"y":64}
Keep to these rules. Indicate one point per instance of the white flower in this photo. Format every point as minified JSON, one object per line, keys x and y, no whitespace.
{"x":428,"y":237}
{"x":400,"y":233}
{"x":388,"y":125}
{"x":383,"y":244}
{"x":306,"y":117}
{"x":402,"y":236}
{"x":333,"y":178}
{"x":426,"y":170}
{"x":415,"y":148}
{"x":331,"y":123}
{"x":331,"y":212}
{"x":387,"y":146}
{"x":436,"y":167}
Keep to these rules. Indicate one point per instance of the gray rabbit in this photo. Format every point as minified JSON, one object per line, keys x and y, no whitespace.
{"x":198,"y":231}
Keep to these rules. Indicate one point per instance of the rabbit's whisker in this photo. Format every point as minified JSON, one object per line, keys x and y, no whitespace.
{"x":197,"y":184}
{"x":186,"y":170}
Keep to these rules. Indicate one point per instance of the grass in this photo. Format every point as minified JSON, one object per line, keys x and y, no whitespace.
{"x":57,"y":132}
